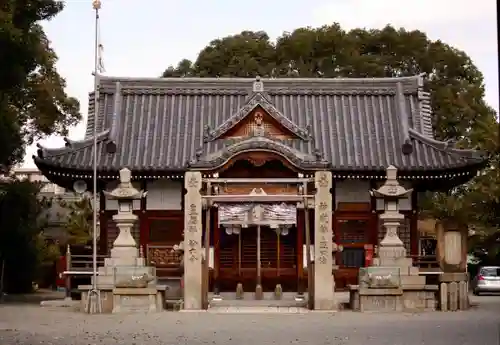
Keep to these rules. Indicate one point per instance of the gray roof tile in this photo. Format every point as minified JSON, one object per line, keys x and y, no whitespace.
{"x":344,"y":124}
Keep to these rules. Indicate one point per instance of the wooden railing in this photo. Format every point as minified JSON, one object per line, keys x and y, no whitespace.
{"x":79,"y":269}
{"x":164,"y":259}
{"x":425,"y":262}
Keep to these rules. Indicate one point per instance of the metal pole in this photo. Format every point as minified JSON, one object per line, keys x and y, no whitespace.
{"x":67,"y":277}
{"x":94,"y":300}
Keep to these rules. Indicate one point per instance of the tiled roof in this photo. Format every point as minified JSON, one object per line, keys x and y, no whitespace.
{"x":341,"y":124}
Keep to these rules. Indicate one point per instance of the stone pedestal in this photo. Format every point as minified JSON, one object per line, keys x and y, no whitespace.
{"x":145,"y":300}
{"x":324,"y":284}
{"x":192,"y":242}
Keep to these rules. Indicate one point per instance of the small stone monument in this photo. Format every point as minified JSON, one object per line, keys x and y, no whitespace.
{"x":124,"y":278}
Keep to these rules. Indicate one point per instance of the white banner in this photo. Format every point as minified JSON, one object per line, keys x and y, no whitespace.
{"x":262,"y":214}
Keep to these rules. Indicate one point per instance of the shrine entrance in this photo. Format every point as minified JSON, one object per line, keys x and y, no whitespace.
{"x":258,"y":246}
{"x":239,"y":258}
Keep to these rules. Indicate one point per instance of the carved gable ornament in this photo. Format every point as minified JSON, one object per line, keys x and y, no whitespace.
{"x":258,"y":118}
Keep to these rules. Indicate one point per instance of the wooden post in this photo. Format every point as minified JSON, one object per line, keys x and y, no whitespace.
{"x":216,"y":241}
{"x":278,"y":252}
{"x":206,"y":268}
{"x":300,"y":255}
{"x":259,"y":279}
{"x":310,"y":273}
{"x":67,"y":277}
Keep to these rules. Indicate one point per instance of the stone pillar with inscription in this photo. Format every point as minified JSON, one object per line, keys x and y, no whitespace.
{"x":192,"y":241}
{"x":324,"y":285}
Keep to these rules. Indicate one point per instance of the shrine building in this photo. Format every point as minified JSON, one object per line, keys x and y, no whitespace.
{"x":258,"y":144}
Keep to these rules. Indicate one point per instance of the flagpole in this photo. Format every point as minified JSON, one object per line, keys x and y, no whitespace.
{"x":94,"y":296}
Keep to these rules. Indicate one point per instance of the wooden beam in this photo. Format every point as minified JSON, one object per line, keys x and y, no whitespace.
{"x":258,"y":180}
{"x":256,"y":198}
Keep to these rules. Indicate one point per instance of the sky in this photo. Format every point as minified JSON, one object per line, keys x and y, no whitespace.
{"x":142,"y":38}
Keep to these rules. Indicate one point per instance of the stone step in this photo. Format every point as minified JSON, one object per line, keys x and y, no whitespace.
{"x":413,"y":281}
{"x":250,"y":301}
{"x":112,"y":279}
{"x":257,"y":310}
{"x":127,"y":270}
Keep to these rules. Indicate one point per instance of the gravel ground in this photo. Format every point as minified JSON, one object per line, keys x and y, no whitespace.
{"x":31,"y":324}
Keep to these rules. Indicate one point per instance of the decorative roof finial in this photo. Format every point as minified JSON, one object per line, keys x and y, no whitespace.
{"x":258,"y":85}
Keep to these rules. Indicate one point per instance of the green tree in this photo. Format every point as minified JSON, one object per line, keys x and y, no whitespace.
{"x":33,"y":102}
{"x":79,"y":215}
{"x":456,"y":85}
{"x":20,"y":227}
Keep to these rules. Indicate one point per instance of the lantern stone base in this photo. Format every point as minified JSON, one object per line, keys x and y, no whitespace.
{"x":127,"y":300}
{"x":390,"y":300}
{"x":144,"y":300}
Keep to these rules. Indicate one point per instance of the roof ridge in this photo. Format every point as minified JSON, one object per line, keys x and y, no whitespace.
{"x":445,"y":146}
{"x":71,"y":145}
{"x":415,"y":78}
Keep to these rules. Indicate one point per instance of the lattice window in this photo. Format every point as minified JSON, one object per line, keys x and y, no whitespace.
{"x":404,"y":233}
{"x":352,"y":230}
{"x":353,"y":257}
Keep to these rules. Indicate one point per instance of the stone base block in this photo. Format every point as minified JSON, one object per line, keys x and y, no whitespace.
{"x":380,"y":303}
{"x":419,"y":300}
{"x":124,"y":261}
{"x":453,"y":277}
{"x":106,"y":298}
{"x":385,"y":300}
{"x":413,"y":281}
{"x":402,"y":262}
{"x":127,"y":300}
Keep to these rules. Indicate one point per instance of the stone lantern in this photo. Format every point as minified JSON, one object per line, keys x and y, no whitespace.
{"x":391,"y":247}
{"x":125,"y":251}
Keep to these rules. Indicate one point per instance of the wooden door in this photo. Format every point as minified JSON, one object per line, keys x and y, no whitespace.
{"x":353,"y":232}
{"x":278,"y":259}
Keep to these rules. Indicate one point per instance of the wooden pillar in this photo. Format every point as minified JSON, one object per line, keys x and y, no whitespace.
{"x":143,"y":224}
{"x":216,"y":244}
{"x":300,"y":252}
{"x":414,"y":233}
